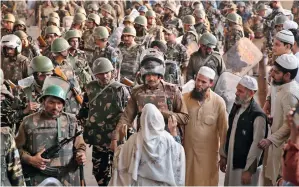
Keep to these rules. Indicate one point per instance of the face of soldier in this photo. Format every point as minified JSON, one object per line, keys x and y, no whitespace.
{"x":262,"y":13}
{"x":76,"y":26}
{"x":53,"y":106}
{"x":104,"y":78}
{"x":74,"y":43}
{"x":128,"y":39}
{"x":167,"y":12}
{"x":127,"y":24}
{"x":202,"y":84}
{"x":89,"y":24}
{"x":50,"y":38}
{"x":104,"y":13}
{"x":273,"y":4}
{"x":11,"y":52}
{"x":101,"y":43}
{"x":19,"y":27}
{"x":279,"y":48}
{"x":151,"y":20}
{"x":243,"y":95}
{"x":205,"y":49}
{"x":187,"y":27}
{"x":41,"y":76}
{"x":198,"y":19}
{"x":25,"y":42}
{"x":278,"y":28}
{"x":278,"y":77}
{"x":141,"y":13}
{"x":139,"y":28}
{"x":158,"y":9}
{"x":152,"y":80}
{"x":169,"y":37}
{"x":7,"y":25}
{"x":241,"y":8}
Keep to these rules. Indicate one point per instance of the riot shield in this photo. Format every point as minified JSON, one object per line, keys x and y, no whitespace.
{"x":226,"y":88}
{"x":242,"y":57}
{"x":51,"y":181}
{"x":53,"y":80}
{"x":26,"y":82}
{"x":115,"y":38}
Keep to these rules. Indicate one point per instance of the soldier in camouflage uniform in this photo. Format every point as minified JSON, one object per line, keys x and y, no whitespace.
{"x":295,"y":11}
{"x":7,"y":24}
{"x":62,"y":12}
{"x":213,"y":16}
{"x":51,"y":33}
{"x":106,"y":19}
{"x":190,"y":35}
{"x":47,"y":8}
{"x":246,"y":19}
{"x":206,"y":56}
{"x":153,"y":29}
{"x":77,"y":58}
{"x":176,"y":51}
{"x":103,"y":49}
{"x":12,"y":61}
{"x":169,"y":19}
{"x":200,"y":22}
{"x":80,"y":10}
{"x":142,"y":37}
{"x":128,"y":21}
{"x":167,"y":97}
{"x":19,"y":25}
{"x":235,"y":31}
{"x":185,"y":9}
{"x":29,"y":50}
{"x":44,"y":129}
{"x":79,"y":23}
{"x":130,"y":52}
{"x":105,"y":100}
{"x":92,"y":8}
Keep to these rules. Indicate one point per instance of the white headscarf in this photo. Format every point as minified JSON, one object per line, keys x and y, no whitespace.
{"x":150,"y":157}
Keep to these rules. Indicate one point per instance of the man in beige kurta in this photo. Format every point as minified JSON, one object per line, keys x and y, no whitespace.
{"x":205,"y":132}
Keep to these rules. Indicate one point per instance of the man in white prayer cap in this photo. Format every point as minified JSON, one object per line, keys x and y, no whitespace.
{"x":284,"y":71}
{"x":205,"y":131}
{"x":242,"y":161}
{"x":289,"y":24}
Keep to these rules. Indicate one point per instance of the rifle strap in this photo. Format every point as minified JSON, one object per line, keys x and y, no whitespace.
{"x":58,"y":128}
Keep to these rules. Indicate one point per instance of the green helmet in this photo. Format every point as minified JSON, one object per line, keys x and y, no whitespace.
{"x":1,"y":77}
{"x":233,"y":17}
{"x":20,"y":34}
{"x":53,"y":20}
{"x":53,"y":30}
{"x":59,"y":45}
{"x":279,"y":20}
{"x":61,"y":3}
{"x":102,"y":65}
{"x":72,"y":34}
{"x":261,"y":7}
{"x":141,"y":20}
{"x":94,"y":17}
{"x":93,"y":7}
{"x":129,"y":31}
{"x":79,"y":18}
{"x":171,"y":6}
{"x":129,"y":19}
{"x":209,"y":40}
{"x":189,"y":20}
{"x":9,"y":17}
{"x":20,"y":22}
{"x":55,"y":15}
{"x":100,"y":32}
{"x":55,"y":91}
{"x":80,"y":10}
{"x":150,"y":13}
{"x":107,"y":8}
{"x":41,"y":64}
{"x":152,"y":63}
{"x":199,"y":13}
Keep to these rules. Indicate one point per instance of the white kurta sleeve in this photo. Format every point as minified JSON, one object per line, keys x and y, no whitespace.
{"x":255,"y":153}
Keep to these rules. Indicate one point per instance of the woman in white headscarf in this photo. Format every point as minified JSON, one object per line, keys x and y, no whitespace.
{"x":151,"y":156}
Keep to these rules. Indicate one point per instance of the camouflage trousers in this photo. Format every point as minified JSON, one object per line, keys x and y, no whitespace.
{"x":102,"y":164}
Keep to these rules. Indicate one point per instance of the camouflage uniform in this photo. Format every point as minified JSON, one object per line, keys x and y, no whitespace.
{"x":130,"y":62}
{"x":80,"y":66}
{"x":31,"y":51}
{"x":156,"y":31}
{"x":62,"y":13}
{"x":233,"y":35}
{"x":214,"y":61}
{"x":38,"y":131}
{"x":213,"y":16}
{"x":178,"y":53}
{"x":5,"y":32}
{"x":189,"y":37}
{"x":184,"y":11}
{"x":47,"y":52}
{"x":104,"y":111}
{"x":15,"y":68}
{"x":173,"y":22}
{"x":200,"y":28}
{"x":89,"y":43}
{"x":21,"y":8}
{"x":295,"y":11}
{"x":11,"y":168}
{"x":246,"y":16}
{"x":108,"y":22}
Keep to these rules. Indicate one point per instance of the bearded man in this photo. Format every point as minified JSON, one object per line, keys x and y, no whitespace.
{"x":205,"y":132}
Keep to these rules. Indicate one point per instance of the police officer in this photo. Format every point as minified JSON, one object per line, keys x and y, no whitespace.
{"x":206,"y":56}
{"x":131,"y":52}
{"x":200,"y":22}
{"x":28,"y":49}
{"x":166,"y":96}
{"x":190,"y":35}
{"x":44,"y":129}
{"x":12,"y":61}
{"x":77,"y":58}
{"x":7,"y":24}
{"x":51,"y":33}
{"x":235,"y":31}
{"x":106,"y":100}
{"x":169,"y":19}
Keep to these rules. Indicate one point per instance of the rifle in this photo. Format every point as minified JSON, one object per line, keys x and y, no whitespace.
{"x":41,"y":41}
{"x":127,"y":82}
{"x":82,"y":180}
{"x":58,"y":72}
{"x":49,"y":153}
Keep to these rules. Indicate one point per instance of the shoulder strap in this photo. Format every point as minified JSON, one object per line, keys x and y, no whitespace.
{"x":95,"y":97}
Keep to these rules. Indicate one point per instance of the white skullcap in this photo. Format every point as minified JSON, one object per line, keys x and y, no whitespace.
{"x":285,"y":36}
{"x":249,"y":82}
{"x":207,"y":72}
{"x":289,"y":24}
{"x":287,"y":61}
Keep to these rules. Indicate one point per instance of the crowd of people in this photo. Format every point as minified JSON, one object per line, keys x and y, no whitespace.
{"x":112,"y":75}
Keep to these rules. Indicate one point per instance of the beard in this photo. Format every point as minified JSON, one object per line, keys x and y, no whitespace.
{"x":278,"y":83}
{"x":199,"y":95}
{"x":240,"y":101}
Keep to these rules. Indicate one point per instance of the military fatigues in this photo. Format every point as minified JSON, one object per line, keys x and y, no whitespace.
{"x":295,"y":11}
{"x":214,"y":61}
{"x":5,"y":32}
{"x":38,"y":131}
{"x":212,"y":15}
{"x":173,"y":22}
{"x":156,"y":31}
{"x":105,"y":104}
{"x":11,"y":168}
{"x":178,"y":53}
{"x":31,"y":51}
{"x":15,"y":68}
{"x":245,"y":19}
{"x":184,"y":11}
{"x":200,"y":28}
{"x":31,"y":93}
{"x":80,"y":66}
{"x":88,"y":44}
{"x":167,"y":98}
{"x":108,"y":22}
{"x":62,"y":14}
{"x":189,"y":37}
{"x":233,"y":35}
{"x":130,"y":62}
